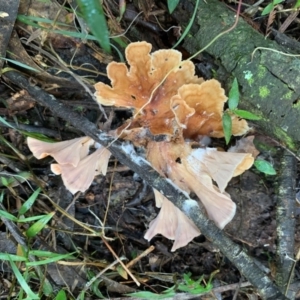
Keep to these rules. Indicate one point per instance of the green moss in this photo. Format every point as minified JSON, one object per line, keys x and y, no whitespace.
{"x":284,"y":138}
{"x":250,"y":81}
{"x":265,"y":147}
{"x":264,"y":91}
{"x":288,"y":95}
{"x":261,"y":71}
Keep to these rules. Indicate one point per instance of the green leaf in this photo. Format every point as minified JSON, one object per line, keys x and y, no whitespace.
{"x":194,"y":287}
{"x":5,"y":256}
{"x":14,"y":179}
{"x":49,"y":260}
{"x":122,"y":9}
{"x":6,"y":123}
{"x":94,"y":16}
{"x":227,"y":127}
{"x":150,"y":295}
{"x":264,"y":167}
{"x":30,"y":20}
{"x":29,"y":219}
{"x":246,"y":114}
{"x":95,"y":284}
{"x":34,"y":229}
{"x":267,"y":9}
{"x":28,"y":203}
{"x":275,"y":2}
{"x":297,"y":5}
{"x":61,"y":295}
{"x":172,"y":4}
{"x":81,"y":295}
{"x":47,"y":288}
{"x":79,"y":35}
{"x":30,"y":294}
{"x":8,"y":216}
{"x":234,"y":95}
{"x":38,"y":136}
{"x":42,"y":253}
{"x":4,"y":181}
{"x":17,"y":63}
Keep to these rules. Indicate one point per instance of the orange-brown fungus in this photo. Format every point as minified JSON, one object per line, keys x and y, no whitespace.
{"x":156,"y":77}
{"x":165,"y":94}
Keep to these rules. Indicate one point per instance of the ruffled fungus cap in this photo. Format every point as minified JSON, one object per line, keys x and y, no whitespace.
{"x":165,"y":94}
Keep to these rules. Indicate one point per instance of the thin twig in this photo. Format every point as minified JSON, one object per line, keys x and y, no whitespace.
{"x":139,"y":257}
{"x":90,"y":283}
{"x":120,"y":261}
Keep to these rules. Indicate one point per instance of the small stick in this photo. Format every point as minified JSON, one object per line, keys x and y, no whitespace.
{"x":143,"y":254}
{"x":122,"y":264}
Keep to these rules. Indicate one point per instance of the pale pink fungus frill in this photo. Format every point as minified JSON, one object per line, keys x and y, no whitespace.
{"x":194,"y":169}
{"x":75,"y":165}
{"x":79,"y":178}
{"x":172,"y":223}
{"x":66,"y":152}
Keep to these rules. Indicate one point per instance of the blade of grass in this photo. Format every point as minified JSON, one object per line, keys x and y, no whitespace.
{"x":234,"y":95}
{"x":34,"y":229}
{"x":49,"y":260}
{"x":61,"y":295}
{"x":172,"y":4}
{"x":5,"y":256}
{"x":12,"y":180}
{"x":5,"y":123}
{"x":29,"y":219}
{"x":30,"y":294}
{"x":8,"y":216}
{"x":17,"y":63}
{"x":94,"y":16}
{"x":246,"y":114}
{"x":42,"y":253}
{"x":28,"y":203}
{"x":187,"y":29}
{"x":227,"y":127}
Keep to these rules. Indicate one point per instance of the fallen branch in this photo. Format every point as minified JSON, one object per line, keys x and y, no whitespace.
{"x":285,"y":208}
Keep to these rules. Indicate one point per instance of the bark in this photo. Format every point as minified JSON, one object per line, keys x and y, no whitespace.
{"x":285,"y":219}
{"x":10,"y":7}
{"x":269,"y":84}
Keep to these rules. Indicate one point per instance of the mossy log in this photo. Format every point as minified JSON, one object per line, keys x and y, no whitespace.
{"x":269,"y":83}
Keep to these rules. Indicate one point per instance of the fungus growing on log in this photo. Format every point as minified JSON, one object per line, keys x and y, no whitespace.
{"x":169,"y":100}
